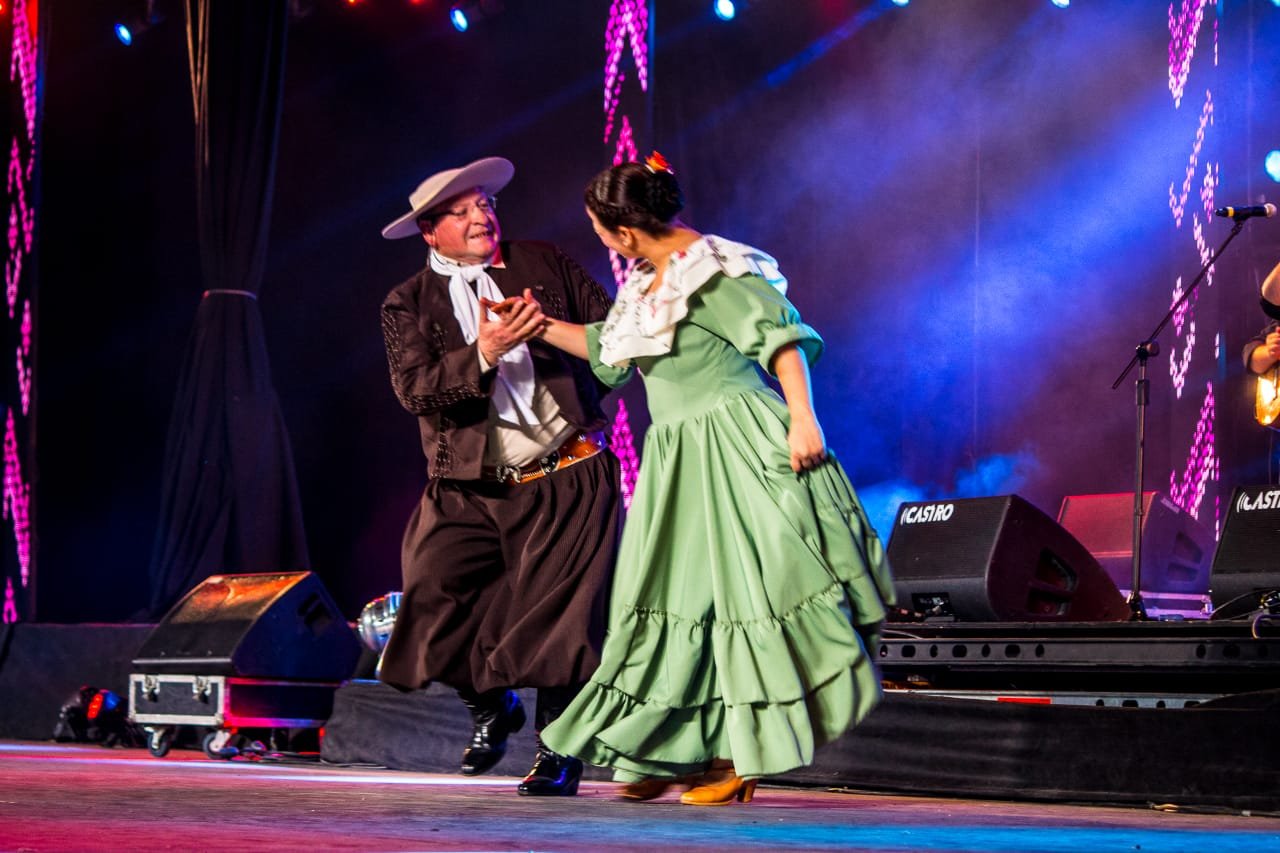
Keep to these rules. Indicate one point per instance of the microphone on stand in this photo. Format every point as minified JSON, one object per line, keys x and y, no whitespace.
{"x":1240,"y":214}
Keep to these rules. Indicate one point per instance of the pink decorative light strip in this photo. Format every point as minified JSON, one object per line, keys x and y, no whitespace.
{"x":1208,"y":190}
{"x":624,"y":152}
{"x":1201,"y":465}
{"x":1183,"y":30}
{"x":628,"y":27}
{"x":624,"y":447}
{"x":22,"y":60}
{"x":1202,"y":462}
{"x":23,"y":151}
{"x":1179,"y":365}
{"x":17,"y":498}
{"x":10,"y":603}
{"x":1202,"y":248}
{"x":1217,"y":460}
{"x":1178,"y":201}
{"x":1208,"y":202}
{"x":21,"y":224}
{"x":1180,"y":316}
{"x":24,"y":359}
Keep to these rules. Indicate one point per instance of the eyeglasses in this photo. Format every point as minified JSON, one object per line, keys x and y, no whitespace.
{"x":487,"y":205}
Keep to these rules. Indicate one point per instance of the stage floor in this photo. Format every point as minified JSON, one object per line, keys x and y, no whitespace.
{"x":62,"y":797}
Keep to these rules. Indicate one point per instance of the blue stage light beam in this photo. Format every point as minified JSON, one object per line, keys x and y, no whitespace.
{"x":821,"y":46}
{"x":124,"y":34}
{"x":1272,"y":163}
{"x":458,"y":17}
{"x":1061,"y":4}
{"x":725,"y":9}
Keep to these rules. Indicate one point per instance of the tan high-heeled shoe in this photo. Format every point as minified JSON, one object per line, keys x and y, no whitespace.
{"x":647,"y":789}
{"x":721,"y":793}
{"x":655,"y":786}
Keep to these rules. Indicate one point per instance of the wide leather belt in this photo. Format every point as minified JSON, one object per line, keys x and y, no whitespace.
{"x":579,"y":446}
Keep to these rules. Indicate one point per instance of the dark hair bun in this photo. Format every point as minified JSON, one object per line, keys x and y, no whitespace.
{"x":662,"y":196}
{"x":636,"y":196}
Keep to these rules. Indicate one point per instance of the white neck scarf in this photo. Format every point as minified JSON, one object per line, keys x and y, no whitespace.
{"x":513,"y":395}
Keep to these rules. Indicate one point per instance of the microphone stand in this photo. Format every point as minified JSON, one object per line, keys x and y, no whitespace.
{"x":1142,"y":396}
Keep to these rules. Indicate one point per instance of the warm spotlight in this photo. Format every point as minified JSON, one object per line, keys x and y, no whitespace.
{"x":1272,"y":163}
{"x":724,"y":9}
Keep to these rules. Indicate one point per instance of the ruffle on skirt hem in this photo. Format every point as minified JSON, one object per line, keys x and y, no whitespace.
{"x":681,"y":663}
{"x":659,"y":707}
{"x":639,"y":739}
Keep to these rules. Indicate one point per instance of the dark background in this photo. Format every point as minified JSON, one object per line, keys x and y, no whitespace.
{"x":971,"y":200}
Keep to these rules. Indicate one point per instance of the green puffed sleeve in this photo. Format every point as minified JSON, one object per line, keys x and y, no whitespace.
{"x":751,"y":314}
{"x":606,"y":373}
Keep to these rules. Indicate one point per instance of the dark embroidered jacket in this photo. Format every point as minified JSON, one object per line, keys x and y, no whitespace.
{"x":436,"y":374}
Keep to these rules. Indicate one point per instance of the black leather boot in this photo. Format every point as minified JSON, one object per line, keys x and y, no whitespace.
{"x":552,"y":774}
{"x":495,"y":714}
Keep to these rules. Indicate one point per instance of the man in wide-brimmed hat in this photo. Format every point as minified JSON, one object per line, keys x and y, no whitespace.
{"x":1262,"y":352}
{"x":508,"y":556}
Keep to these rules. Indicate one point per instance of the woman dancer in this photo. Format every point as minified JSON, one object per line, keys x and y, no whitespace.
{"x":749,"y":582}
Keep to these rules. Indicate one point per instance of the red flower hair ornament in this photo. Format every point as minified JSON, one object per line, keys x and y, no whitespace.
{"x":656,"y":163}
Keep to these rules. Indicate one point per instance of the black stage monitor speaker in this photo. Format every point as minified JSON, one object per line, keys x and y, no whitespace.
{"x":279,"y":626}
{"x":1248,"y":555}
{"x":1176,"y":549}
{"x":996,"y":559}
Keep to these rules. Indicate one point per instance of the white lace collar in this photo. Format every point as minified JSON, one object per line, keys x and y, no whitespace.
{"x":640,"y":325}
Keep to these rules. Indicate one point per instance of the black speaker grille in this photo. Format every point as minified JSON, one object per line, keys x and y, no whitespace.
{"x":1251,"y":533}
{"x":1248,"y":555}
{"x":945,"y":539}
{"x":996,"y":558}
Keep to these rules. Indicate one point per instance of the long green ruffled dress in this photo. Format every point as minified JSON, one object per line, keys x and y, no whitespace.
{"x":739,"y":582}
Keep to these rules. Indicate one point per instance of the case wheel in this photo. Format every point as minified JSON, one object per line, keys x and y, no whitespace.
{"x":159,"y":740}
{"x":221,"y":744}
{"x":225,"y":745}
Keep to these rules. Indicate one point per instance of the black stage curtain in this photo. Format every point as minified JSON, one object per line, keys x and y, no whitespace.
{"x":229,"y":499}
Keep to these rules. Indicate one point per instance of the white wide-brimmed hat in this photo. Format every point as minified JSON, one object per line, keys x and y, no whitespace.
{"x":490,"y":174}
